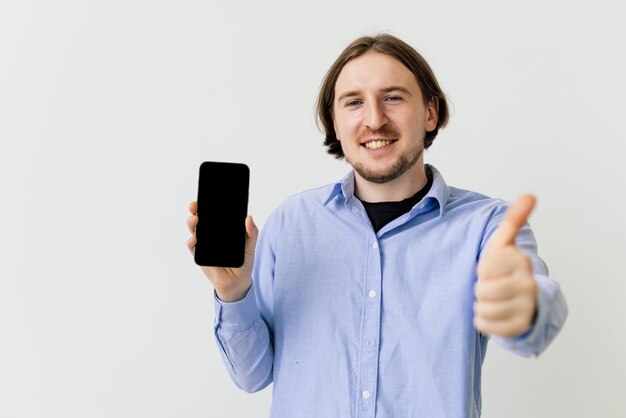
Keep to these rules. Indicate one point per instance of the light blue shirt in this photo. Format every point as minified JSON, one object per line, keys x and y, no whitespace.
{"x":347,"y":322}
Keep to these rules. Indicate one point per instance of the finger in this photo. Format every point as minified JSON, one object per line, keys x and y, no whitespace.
{"x":193,"y":207}
{"x":502,"y":262}
{"x":191,"y":244}
{"x":497,"y":311}
{"x":500,"y":289}
{"x":192,"y":221}
{"x":507,"y":328}
{"x":513,"y":221}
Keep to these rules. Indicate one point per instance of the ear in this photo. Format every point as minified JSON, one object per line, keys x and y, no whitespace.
{"x":432,"y":114}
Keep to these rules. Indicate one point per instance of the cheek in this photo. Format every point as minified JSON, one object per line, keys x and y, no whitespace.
{"x":346,"y":125}
{"x":399,"y":116}
{"x":410,"y":122}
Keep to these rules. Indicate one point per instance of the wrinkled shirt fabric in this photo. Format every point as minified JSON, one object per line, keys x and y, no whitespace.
{"x":346,"y":322}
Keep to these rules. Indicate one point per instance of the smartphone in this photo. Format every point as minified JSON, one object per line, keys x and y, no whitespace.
{"x":222,"y":210}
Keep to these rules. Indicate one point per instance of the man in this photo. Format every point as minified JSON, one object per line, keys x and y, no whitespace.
{"x":376,"y":296}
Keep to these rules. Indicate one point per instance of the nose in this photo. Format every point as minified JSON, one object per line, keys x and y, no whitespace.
{"x":374,"y":117}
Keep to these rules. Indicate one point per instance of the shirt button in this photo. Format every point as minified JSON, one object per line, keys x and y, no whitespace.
{"x":366,"y":394}
{"x":372,"y":293}
{"x":374,"y":245}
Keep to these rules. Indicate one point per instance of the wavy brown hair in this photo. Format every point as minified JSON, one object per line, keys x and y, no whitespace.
{"x":398,"y":49}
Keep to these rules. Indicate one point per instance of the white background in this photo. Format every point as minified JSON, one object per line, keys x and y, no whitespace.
{"x":107,"y":109}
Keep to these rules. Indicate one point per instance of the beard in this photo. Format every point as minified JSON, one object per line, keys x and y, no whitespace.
{"x":405,"y":162}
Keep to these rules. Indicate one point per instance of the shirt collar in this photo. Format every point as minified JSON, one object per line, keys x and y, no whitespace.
{"x":344,"y":186}
{"x":439,"y":191}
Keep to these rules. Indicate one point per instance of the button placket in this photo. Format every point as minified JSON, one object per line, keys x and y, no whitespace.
{"x":370,"y":332}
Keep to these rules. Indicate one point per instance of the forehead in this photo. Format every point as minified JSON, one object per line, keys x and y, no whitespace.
{"x":374,"y":71}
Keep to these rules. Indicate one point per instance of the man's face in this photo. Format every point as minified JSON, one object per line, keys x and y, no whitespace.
{"x":380,"y":117}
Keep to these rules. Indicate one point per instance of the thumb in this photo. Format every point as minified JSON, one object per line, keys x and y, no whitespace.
{"x":252,"y":232}
{"x":513,"y":221}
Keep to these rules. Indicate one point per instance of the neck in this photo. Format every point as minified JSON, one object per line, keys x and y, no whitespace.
{"x":403,"y":187}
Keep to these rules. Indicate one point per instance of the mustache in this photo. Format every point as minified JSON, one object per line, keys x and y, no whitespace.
{"x":385,"y":132}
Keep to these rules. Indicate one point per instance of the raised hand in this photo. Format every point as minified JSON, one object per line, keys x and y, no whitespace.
{"x":231,"y":284}
{"x":506,"y":291}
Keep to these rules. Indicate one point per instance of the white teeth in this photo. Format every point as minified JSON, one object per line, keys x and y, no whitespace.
{"x":377,"y":144}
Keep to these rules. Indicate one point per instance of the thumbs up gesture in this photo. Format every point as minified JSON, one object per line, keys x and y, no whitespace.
{"x":506,"y":291}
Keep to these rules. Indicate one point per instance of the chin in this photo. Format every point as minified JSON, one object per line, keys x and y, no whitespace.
{"x":377,"y":176}
{"x":392,"y":172}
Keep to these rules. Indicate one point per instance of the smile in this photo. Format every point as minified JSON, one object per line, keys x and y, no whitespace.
{"x":378,"y":144}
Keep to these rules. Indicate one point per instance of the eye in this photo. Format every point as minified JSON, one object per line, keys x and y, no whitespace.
{"x":393,"y":99}
{"x":353,"y":103}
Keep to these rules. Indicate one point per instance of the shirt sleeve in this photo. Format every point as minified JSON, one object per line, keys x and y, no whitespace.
{"x":551,"y":305}
{"x":243,"y":329}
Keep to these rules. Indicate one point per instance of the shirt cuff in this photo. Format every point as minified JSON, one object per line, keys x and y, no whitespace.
{"x":236,"y":316}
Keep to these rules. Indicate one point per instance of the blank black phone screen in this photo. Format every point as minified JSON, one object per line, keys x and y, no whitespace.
{"x":222,"y":209}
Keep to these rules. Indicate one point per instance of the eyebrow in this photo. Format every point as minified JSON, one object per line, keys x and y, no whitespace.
{"x":385,"y":90}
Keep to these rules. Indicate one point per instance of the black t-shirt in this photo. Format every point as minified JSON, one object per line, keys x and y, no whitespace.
{"x":381,"y":213}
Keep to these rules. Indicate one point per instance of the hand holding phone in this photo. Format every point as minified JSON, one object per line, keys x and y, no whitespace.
{"x":223,"y":238}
